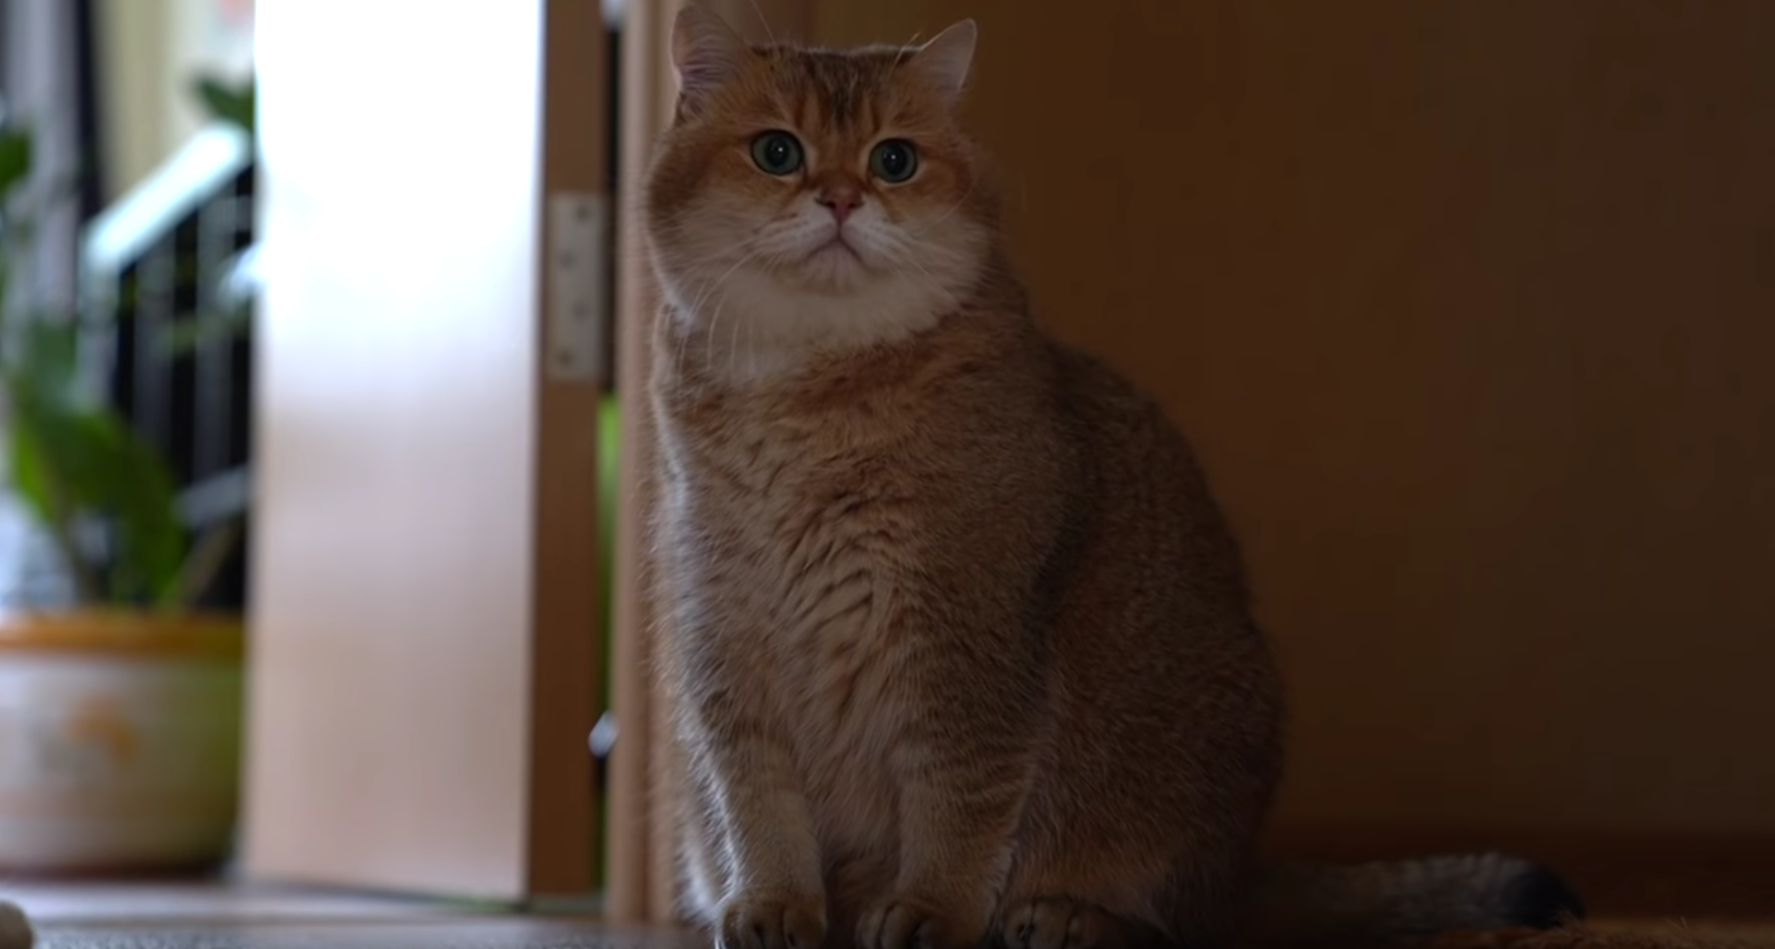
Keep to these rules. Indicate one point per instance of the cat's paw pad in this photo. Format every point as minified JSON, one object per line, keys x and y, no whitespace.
{"x":1059,"y":923}
{"x":772,"y":922}
{"x":910,"y":923}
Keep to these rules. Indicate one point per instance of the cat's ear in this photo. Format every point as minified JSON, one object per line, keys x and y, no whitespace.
{"x":706,"y":53}
{"x":945,"y":59}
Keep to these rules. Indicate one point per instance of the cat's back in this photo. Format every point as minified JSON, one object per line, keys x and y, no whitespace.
{"x":1144,"y":479}
{"x":1152,"y":608}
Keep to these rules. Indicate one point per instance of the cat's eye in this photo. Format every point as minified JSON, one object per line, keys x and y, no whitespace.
{"x":777,"y":153}
{"x":894,"y":160}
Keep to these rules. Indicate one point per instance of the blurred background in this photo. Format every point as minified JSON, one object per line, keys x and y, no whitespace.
{"x":324,"y":322}
{"x":128,"y":211}
{"x":127,"y":239}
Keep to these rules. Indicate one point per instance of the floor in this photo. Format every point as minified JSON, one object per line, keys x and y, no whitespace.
{"x":210,"y":916}
{"x":462,"y":934}
{"x":207,"y":916}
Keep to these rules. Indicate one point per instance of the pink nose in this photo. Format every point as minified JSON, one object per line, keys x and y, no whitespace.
{"x":841,"y":200}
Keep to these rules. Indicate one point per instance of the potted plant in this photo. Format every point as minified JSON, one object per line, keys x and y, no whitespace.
{"x":120,"y":724}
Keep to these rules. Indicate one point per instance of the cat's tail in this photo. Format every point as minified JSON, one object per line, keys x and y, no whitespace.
{"x":1365,"y":904}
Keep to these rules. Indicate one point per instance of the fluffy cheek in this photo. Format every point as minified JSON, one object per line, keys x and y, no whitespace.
{"x":716,"y":230}
{"x":938,"y":241}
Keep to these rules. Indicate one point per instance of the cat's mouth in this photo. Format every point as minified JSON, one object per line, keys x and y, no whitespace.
{"x":836,"y":244}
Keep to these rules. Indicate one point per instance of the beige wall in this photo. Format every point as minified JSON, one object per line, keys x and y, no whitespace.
{"x":1470,"y":308}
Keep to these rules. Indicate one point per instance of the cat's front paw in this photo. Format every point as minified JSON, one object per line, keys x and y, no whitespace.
{"x":1061,"y":923}
{"x":772,"y":921}
{"x":906,"y":922}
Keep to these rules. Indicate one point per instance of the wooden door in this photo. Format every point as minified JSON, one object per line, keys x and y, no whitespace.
{"x":424,"y":667}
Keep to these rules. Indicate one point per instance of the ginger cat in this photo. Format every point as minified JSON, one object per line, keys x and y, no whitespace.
{"x":960,"y":642}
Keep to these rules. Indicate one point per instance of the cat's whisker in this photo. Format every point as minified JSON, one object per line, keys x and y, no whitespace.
{"x":733,"y":340}
{"x":763,"y":22}
{"x":683,"y":349}
{"x":703,"y":298}
{"x":909,"y":46}
{"x":967,"y":193}
{"x":751,"y":350}
{"x":709,"y":332}
{"x":694,"y":310}
{"x":900,"y":255}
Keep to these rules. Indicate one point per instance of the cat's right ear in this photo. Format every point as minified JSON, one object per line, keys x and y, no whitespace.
{"x":706,"y":53}
{"x":946,"y":59}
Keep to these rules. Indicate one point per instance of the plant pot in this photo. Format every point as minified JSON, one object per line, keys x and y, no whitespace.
{"x":119,"y":741}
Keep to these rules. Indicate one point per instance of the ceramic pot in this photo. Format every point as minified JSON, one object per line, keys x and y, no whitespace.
{"x":119,"y":740}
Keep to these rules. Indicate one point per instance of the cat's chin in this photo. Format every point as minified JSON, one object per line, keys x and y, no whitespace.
{"x":760,"y":322}
{"x":834,"y":269}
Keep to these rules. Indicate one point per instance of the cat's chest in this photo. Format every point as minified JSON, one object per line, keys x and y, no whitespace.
{"x":793,"y":546}
{"x":797,"y":529}
{"x":786,"y":468}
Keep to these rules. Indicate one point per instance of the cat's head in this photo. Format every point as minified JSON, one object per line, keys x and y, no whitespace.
{"x":807,"y":196}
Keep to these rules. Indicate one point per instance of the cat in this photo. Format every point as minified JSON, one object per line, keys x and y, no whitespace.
{"x":15,"y":927}
{"x":959,"y":643}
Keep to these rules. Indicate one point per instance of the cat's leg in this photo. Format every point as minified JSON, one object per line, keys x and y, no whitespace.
{"x":956,"y":822}
{"x":1066,"y":923}
{"x":775,"y":897}
{"x":701,"y":843}
{"x":1097,"y":900}
{"x":961,"y":760}
{"x":1106,"y":860}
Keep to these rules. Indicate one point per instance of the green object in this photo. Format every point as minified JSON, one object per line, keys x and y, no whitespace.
{"x":609,"y":486}
{"x":73,"y":459}
{"x":235,"y":104}
{"x":15,"y":159}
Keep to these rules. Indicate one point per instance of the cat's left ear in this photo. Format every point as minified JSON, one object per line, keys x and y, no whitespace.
{"x":945,"y":59}
{"x":706,"y":53}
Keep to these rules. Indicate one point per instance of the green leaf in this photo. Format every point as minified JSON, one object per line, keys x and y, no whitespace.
{"x":41,"y":484}
{"x":72,"y":460}
{"x":234,"y":105}
{"x":71,"y":457}
{"x":151,"y":542}
{"x":49,"y":363}
{"x":15,"y":159}
{"x":29,"y":481}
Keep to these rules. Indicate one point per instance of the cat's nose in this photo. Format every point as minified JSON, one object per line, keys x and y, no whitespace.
{"x":841,"y":200}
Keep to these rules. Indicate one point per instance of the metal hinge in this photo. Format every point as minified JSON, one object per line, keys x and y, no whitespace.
{"x":576,"y":344}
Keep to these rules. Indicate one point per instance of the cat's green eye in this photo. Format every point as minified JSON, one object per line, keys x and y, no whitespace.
{"x":894,"y":160}
{"x":777,"y":153}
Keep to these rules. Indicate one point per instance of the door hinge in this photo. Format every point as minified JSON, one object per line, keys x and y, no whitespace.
{"x":576,"y":345}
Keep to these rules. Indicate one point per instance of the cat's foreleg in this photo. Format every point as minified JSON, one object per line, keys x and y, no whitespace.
{"x":775,"y":898}
{"x":962,"y":762}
